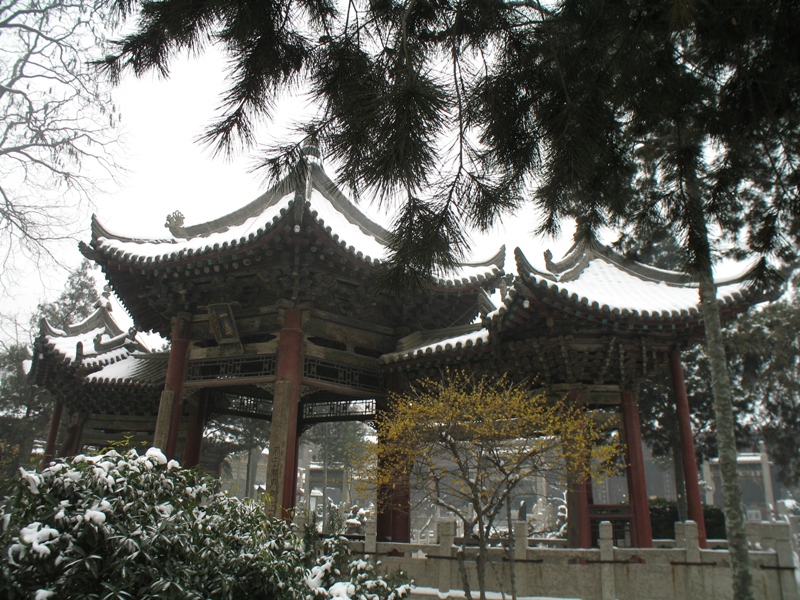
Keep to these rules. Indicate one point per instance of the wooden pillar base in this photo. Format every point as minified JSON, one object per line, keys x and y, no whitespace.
{"x":52,"y":434}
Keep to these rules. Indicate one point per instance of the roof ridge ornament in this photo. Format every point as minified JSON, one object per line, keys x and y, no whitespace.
{"x":309,"y":148}
{"x":174,"y":223}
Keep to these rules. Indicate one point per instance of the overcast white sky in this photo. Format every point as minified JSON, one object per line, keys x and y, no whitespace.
{"x":168,"y":171}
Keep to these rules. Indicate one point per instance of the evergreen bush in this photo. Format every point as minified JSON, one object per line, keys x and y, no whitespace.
{"x":664,"y":514}
{"x":131,"y":526}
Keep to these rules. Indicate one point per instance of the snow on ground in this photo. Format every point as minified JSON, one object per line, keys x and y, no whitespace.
{"x":429,"y":591}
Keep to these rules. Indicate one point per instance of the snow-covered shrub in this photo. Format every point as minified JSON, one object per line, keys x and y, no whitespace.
{"x":337,"y":575}
{"x":114,"y":526}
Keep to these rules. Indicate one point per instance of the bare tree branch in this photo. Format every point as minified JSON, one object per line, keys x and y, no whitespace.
{"x":56,"y":127}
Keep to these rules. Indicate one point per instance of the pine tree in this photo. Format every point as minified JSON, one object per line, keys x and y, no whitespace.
{"x":667,"y":116}
{"x":24,"y":411}
{"x":765,"y":354}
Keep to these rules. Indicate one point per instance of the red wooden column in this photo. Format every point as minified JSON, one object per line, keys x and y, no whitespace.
{"x":693,"y":501}
{"x":401,"y":519}
{"x":52,"y":434}
{"x":169,"y":409}
{"x":637,"y":483}
{"x":582,"y":492}
{"x":282,"y":466}
{"x":194,"y":432}
{"x":579,"y":525}
{"x":73,"y":440}
{"x":393,"y":521}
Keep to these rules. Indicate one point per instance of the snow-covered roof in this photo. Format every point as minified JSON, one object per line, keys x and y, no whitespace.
{"x":322,"y":202}
{"x":425,"y":344}
{"x":141,"y":370}
{"x":92,"y":344}
{"x":594,"y":279}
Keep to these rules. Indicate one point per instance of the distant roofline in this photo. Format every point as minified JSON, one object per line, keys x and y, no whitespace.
{"x":581,"y":254}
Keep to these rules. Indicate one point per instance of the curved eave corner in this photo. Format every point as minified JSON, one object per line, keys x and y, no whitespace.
{"x":452,"y":348}
{"x":556,"y":292}
{"x":342,"y":244}
{"x":483,"y":274}
{"x":99,"y":231}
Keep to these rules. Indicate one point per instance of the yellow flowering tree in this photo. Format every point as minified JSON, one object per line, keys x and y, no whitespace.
{"x":468,"y":442}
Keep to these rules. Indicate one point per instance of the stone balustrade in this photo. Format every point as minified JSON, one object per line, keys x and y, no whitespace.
{"x":605,"y":573}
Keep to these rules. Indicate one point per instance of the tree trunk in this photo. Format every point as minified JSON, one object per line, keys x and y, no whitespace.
{"x":462,"y":564}
{"x":252,"y":466}
{"x":512,"y":538}
{"x":726,"y":441}
{"x":481,"y":558}
{"x":325,"y":518}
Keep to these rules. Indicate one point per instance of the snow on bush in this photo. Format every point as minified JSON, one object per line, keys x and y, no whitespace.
{"x":114,"y":526}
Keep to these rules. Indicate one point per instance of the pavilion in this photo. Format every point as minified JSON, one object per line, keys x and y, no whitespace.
{"x":271,"y":313}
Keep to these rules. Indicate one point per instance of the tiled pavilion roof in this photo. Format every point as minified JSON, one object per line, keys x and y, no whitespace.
{"x":91,"y":344}
{"x":595,"y":284}
{"x":588,"y":307}
{"x":305,"y":211}
{"x":96,"y":367}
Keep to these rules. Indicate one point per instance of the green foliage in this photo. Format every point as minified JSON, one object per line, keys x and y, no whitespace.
{"x":339,"y":444}
{"x":133,"y":526}
{"x":25,"y":410}
{"x":664,"y":515}
{"x":453,"y":108}
{"x":763,"y":354}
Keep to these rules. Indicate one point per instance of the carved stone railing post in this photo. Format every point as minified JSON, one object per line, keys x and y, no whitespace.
{"x":520,"y":539}
{"x":607,"y":581}
{"x":371,"y":536}
{"x":782,"y":535}
{"x":694,"y":573}
{"x":446,"y":533}
{"x":691,"y":542}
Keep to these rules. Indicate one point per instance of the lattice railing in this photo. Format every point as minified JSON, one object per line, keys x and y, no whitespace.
{"x":245,"y":406}
{"x":355,"y":410}
{"x":240,"y":367}
{"x":353,"y":377}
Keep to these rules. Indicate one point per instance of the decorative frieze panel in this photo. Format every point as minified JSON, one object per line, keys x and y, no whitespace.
{"x":242,"y":367}
{"x":350,"y":410}
{"x":245,"y":406}
{"x":348,"y":376}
